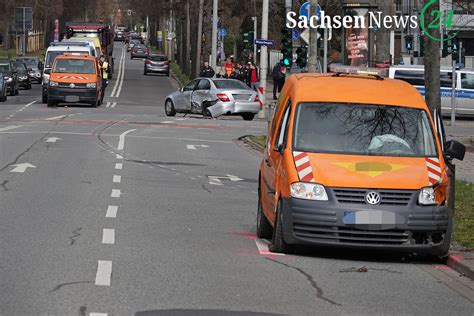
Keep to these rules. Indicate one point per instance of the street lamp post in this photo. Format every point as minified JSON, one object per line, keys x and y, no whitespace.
{"x":214,"y":34}
{"x":263,"y":61}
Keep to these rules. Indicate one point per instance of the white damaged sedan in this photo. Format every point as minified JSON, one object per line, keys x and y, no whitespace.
{"x":214,"y":97}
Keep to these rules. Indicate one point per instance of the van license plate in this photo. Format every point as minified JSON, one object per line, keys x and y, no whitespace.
{"x":370,"y":218}
{"x":72,"y":98}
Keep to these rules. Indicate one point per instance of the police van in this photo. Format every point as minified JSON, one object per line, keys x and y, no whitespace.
{"x":415,"y":75}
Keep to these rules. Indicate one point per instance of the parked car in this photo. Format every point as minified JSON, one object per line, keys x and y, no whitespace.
{"x":24,"y":79}
{"x":10,"y":75}
{"x":214,"y":97}
{"x":3,"y":89}
{"x":35,"y":65}
{"x":139,"y":51}
{"x":155,"y":63}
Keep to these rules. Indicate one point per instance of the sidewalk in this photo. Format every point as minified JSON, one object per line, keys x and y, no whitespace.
{"x":462,"y":262}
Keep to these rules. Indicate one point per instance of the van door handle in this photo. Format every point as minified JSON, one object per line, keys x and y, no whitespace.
{"x":267,"y":161}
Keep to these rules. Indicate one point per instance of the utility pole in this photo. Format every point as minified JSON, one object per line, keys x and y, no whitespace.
{"x":254,"y":38}
{"x":313,"y":39}
{"x":188,"y":41}
{"x":199,"y":38}
{"x":170,"y":33}
{"x":214,"y":34}
{"x":263,"y":61}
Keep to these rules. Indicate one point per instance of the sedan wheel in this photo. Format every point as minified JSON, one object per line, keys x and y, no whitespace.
{"x":169,"y":108}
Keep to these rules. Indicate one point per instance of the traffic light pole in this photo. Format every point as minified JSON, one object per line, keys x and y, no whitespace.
{"x":313,"y":40}
{"x":254,"y":38}
{"x":214,"y":35}
{"x":263,"y":61}
{"x":453,"y":95}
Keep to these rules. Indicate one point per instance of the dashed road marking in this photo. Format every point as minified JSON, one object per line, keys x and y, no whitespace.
{"x":194,"y":147}
{"x":108,"y":236}
{"x":116,"y":193}
{"x":117,"y":179}
{"x":263,"y":248}
{"x":113,"y":105}
{"x":104,"y":273}
{"x":55,"y":118}
{"x":120,"y":157}
{"x":107,"y":105}
{"x":111,"y":211}
{"x":97,"y":314}
{"x":118,"y":166}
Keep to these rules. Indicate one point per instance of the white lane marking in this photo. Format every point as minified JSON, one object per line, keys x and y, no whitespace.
{"x":121,"y":143}
{"x":216,"y":180}
{"x":262,"y":247}
{"x":104,"y":273}
{"x":122,"y":57}
{"x":9,"y":128}
{"x":167,"y":122}
{"x":52,"y":139}
{"x":120,"y":157}
{"x":108,"y":236}
{"x":118,"y":166}
{"x":113,"y":104}
{"x":107,"y":105}
{"x":117,"y":94}
{"x":116,"y":193}
{"x":117,"y":179}
{"x":194,"y":147}
{"x":97,"y":314}
{"x":21,"y":167}
{"x":111,"y":211}
{"x":55,"y":118}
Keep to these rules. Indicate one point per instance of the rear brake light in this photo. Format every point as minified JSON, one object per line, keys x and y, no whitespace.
{"x":166,"y":62}
{"x":148,"y":62}
{"x":223,"y":97}
{"x":257,"y":99}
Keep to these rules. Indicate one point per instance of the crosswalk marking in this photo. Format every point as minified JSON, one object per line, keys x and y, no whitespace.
{"x":8,"y":128}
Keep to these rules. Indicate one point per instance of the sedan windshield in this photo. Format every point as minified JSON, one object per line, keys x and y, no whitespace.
{"x":5,"y":68}
{"x":230,"y":84}
{"x":362,"y":129}
{"x":75,"y":66}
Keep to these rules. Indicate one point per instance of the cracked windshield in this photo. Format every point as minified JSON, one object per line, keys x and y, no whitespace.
{"x":236,"y":157}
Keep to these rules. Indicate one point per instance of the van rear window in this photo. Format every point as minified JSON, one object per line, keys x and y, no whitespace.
{"x":467,"y":81}
{"x":363,"y":129}
{"x":417,"y":77}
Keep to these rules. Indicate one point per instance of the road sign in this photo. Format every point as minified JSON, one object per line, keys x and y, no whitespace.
{"x":129,"y":12}
{"x":222,"y":32}
{"x":305,"y":36}
{"x":264,"y":42}
{"x":304,"y":10}
{"x":296,"y":34}
{"x":23,"y":18}
{"x":159,"y":36}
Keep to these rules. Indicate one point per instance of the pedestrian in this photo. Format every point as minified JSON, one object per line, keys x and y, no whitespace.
{"x":207,"y":71}
{"x":241,"y":74}
{"x":277,"y":76}
{"x":104,"y":66}
{"x":222,"y":74}
{"x":252,"y":77}
{"x":229,"y":67}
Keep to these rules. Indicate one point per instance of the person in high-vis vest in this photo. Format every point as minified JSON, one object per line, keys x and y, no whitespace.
{"x":104,"y":65}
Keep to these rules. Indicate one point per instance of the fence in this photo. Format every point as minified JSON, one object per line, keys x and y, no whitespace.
{"x":34,"y":42}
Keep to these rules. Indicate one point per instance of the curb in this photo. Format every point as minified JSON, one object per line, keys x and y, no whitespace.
{"x":173,"y":75}
{"x":461,"y":264}
{"x":246,"y":139}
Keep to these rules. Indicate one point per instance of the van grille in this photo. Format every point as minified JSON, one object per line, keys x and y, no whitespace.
{"x":357,"y":196}
{"x":350,"y":235}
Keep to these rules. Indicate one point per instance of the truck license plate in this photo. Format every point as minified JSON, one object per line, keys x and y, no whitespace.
{"x":72,"y":98}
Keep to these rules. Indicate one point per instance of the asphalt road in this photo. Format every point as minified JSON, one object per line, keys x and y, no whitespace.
{"x":120,"y":210}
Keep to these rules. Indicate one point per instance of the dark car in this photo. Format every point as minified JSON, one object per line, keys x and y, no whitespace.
{"x":3,"y":89}
{"x":35,"y":65}
{"x":155,"y":63}
{"x":9,"y":75}
{"x":24,"y":80}
{"x":139,"y":51}
{"x":119,"y":36}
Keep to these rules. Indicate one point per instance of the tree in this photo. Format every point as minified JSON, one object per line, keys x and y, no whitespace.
{"x":432,"y":62}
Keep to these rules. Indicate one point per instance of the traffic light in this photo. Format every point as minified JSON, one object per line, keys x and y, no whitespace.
{"x":302,"y":56}
{"x":445,"y":51}
{"x":249,"y":39}
{"x":287,"y":47}
{"x":422,"y":46}
{"x":455,"y":44}
{"x":409,"y":42}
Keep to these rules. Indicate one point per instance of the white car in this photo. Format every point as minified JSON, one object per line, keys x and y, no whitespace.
{"x":214,"y":97}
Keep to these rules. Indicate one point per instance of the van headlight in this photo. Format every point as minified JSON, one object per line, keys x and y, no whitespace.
{"x":45,"y":78}
{"x":91,"y":85}
{"x":53,"y":84}
{"x":427,"y":196}
{"x":308,"y":191}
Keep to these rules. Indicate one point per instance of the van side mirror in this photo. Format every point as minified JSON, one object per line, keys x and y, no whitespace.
{"x":281,"y":149}
{"x":455,"y":150}
{"x":47,"y":71}
{"x":40,"y":66}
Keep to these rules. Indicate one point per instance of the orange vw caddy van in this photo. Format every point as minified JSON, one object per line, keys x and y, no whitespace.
{"x":75,"y":78}
{"x":356,"y":161}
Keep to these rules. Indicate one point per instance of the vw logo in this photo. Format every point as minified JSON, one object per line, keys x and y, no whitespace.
{"x":373,"y":198}
{"x":72,"y":85}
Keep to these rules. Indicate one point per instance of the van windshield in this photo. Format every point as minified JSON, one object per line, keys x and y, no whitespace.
{"x":74,"y":66}
{"x":363,"y":129}
{"x":53,"y":54}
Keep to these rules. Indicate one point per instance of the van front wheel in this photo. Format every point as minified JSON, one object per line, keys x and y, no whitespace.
{"x":278,"y":244}
{"x":264,"y":228}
